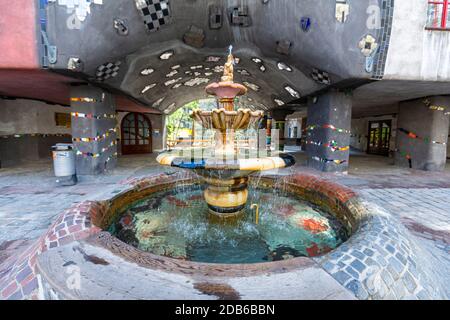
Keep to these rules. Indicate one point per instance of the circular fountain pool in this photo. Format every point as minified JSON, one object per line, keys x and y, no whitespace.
{"x":176,"y":223}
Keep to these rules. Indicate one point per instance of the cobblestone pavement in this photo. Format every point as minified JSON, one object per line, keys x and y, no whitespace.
{"x":383,"y":261}
{"x":30,"y":201}
{"x":426,"y":214}
{"x":30,"y":198}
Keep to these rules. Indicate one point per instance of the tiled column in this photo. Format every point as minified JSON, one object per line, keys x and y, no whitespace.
{"x":422,"y":133}
{"x":94,"y":131}
{"x":328,"y":131}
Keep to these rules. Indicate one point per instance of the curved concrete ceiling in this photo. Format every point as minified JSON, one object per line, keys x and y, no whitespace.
{"x":183,"y":77}
{"x":96,"y":43}
{"x":86,"y":41}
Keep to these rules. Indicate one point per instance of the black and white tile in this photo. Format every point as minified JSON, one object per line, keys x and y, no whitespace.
{"x":320,"y":76}
{"x":155,"y":13}
{"x":107,"y":70}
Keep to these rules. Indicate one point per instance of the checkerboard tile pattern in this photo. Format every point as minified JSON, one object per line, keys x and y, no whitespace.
{"x":107,"y":70}
{"x":155,"y":13}
{"x":320,"y":76}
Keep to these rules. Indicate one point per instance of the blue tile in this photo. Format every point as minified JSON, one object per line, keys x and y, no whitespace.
{"x":387,"y":278}
{"x":396,"y":265}
{"x":409,"y":282}
{"x":352,"y":272}
{"x":423,"y":295}
{"x":401,"y":258}
{"x":393,"y":272}
{"x":328,"y":266}
{"x":370,"y":262}
{"x":381,"y":261}
{"x":341,"y":277}
{"x":358,"y":265}
{"x":368,"y":252}
{"x":358,"y":290}
{"x":357,"y":254}
{"x":390,"y":248}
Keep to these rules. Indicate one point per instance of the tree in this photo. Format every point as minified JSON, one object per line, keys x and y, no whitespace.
{"x":180,"y":119}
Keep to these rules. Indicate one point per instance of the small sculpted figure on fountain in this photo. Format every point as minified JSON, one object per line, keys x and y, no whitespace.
{"x":228,"y":70}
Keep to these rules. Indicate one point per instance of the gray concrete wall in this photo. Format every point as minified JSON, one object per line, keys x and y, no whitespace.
{"x":329,"y":45}
{"x":34,"y":124}
{"x":358,"y":138}
{"x":448,"y":149}
{"x":16,"y":151}
{"x":416,"y":53}
{"x":416,"y":117}
{"x":23,"y":116}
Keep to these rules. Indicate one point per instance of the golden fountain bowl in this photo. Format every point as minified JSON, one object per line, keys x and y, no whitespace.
{"x":222,"y":119}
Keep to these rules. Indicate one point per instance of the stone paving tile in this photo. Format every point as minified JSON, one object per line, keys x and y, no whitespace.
{"x":390,"y":265}
{"x":18,"y":279}
{"x":428,"y":217}
{"x":30,"y":200}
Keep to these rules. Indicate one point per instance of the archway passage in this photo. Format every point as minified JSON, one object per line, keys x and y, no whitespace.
{"x":136,"y":134}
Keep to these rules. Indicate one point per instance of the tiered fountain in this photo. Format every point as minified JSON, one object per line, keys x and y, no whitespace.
{"x":226,"y":168}
{"x":168,"y":215}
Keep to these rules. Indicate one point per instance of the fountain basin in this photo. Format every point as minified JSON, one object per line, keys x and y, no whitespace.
{"x":178,"y":159}
{"x":221,"y":119}
{"x":169,"y":218}
{"x":226,"y":89}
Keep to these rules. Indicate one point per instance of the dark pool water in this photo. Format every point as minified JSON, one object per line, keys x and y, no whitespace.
{"x":176,"y":224}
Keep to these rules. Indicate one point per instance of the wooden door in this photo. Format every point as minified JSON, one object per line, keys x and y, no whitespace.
{"x":136,"y":134}
{"x":379,"y":137}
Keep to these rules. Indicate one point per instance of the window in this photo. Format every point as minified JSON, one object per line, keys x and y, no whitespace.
{"x":438,"y":14}
{"x":63,"y":119}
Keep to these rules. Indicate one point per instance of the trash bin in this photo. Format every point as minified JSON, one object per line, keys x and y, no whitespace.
{"x":64,"y":164}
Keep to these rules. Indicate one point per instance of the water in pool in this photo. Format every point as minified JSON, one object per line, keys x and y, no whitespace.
{"x":177,"y":224}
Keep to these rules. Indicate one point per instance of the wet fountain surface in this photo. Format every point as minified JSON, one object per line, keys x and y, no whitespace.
{"x":177,"y":224}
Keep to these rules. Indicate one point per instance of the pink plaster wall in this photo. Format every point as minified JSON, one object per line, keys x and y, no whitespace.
{"x":18,"y":34}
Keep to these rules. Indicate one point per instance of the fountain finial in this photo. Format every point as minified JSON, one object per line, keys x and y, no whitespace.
{"x":228,"y":69}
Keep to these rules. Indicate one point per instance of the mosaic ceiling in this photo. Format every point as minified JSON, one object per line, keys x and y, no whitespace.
{"x":182,"y":77}
{"x":163,"y":52}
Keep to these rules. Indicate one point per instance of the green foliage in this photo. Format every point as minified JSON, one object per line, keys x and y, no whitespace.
{"x":180,"y":119}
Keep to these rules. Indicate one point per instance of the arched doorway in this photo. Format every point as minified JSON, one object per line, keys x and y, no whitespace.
{"x":136,"y":134}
